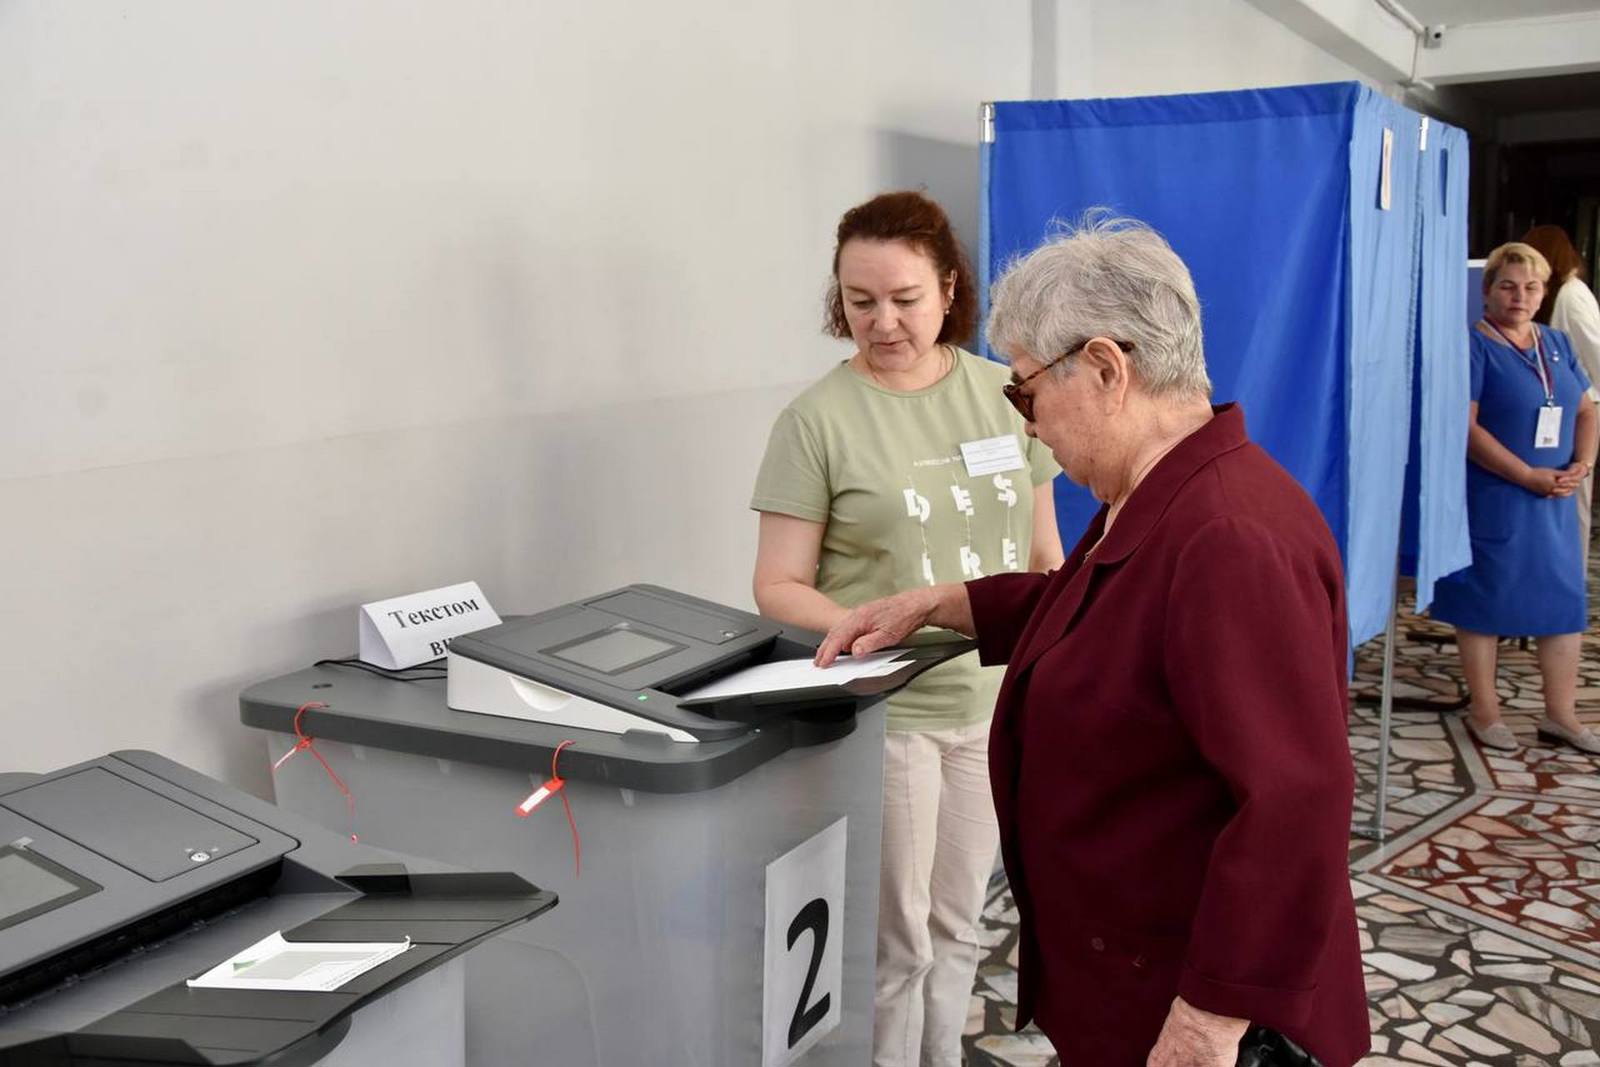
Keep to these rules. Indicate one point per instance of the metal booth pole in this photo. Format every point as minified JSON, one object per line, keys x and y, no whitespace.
{"x":1380,"y":806}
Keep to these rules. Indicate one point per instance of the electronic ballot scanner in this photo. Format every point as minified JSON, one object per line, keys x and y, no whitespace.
{"x":644,"y":658}
{"x":127,"y":879}
{"x":711,"y":781}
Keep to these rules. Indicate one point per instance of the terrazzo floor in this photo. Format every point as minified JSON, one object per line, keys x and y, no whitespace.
{"x":1479,"y":912}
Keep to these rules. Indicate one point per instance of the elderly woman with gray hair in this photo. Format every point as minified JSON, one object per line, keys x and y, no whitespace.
{"x":1168,"y":755}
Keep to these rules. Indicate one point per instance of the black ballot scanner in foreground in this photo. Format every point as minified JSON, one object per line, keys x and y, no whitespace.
{"x":125,"y":876}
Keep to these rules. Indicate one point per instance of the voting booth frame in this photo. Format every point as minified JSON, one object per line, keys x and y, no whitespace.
{"x":668,"y":947}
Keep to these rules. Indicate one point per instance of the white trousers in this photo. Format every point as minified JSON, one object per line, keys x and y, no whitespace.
{"x":939,"y":845}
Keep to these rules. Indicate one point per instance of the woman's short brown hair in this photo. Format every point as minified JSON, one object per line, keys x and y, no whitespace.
{"x":922,"y":224}
{"x":1553,"y":243}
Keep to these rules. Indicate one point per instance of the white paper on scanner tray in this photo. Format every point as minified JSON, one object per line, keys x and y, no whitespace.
{"x":304,"y":966}
{"x":800,"y":674}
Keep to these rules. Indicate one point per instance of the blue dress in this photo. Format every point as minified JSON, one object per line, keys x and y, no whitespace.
{"x":1527,"y":573}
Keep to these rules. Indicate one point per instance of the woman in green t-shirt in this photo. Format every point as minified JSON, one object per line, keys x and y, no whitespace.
{"x":905,"y":466}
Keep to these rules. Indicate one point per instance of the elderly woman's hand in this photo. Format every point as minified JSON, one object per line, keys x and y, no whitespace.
{"x":878,"y":624}
{"x":1194,"y":1038}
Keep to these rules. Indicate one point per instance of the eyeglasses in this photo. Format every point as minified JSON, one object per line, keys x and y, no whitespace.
{"x":1022,"y":401}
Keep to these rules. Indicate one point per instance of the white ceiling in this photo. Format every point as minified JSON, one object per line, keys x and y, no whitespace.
{"x":1460,"y":12}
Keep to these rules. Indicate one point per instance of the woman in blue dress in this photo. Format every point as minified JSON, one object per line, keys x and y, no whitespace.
{"x":1531,"y":440}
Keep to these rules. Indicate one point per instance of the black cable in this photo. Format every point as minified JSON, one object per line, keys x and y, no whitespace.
{"x":405,"y":674}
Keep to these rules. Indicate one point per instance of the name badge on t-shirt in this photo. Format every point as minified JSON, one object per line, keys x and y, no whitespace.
{"x":992,"y":455}
{"x":1548,"y":433}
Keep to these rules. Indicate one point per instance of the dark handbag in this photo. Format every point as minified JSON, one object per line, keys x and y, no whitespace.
{"x":1262,"y":1047}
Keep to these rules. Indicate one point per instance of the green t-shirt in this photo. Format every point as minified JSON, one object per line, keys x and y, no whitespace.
{"x":884,"y":472}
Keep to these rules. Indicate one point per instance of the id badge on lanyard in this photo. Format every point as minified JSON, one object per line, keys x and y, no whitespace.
{"x":1547,"y":432}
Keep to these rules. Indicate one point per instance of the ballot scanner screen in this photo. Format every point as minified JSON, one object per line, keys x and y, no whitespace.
{"x":29,"y":887}
{"x":613,"y":650}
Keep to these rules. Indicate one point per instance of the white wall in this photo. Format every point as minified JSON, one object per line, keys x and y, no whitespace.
{"x":1140,"y":47}
{"x":309,"y":303}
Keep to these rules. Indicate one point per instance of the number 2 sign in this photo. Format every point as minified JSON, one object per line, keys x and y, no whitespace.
{"x":804,"y":955}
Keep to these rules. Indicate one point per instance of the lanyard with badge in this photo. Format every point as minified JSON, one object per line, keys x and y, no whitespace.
{"x":1547,"y":434}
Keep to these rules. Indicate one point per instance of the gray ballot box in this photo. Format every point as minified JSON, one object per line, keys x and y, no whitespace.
{"x":726,"y":910}
{"x":123,"y":877}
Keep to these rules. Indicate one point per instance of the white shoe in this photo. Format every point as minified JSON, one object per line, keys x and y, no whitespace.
{"x":1495,"y":735}
{"x":1583,"y":739}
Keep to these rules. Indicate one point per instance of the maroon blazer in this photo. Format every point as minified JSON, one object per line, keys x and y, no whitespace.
{"x":1170,"y":763}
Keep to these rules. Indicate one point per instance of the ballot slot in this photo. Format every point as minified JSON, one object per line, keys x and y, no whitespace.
{"x":705,"y":674}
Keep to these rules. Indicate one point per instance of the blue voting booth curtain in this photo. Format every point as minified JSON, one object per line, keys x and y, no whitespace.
{"x":1436,"y":541}
{"x":1307,"y":281}
{"x":1385,"y":239}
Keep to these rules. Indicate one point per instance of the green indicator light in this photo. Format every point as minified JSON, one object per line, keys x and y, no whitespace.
{"x":644,"y":696}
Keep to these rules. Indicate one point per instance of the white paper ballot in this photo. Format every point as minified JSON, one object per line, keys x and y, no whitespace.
{"x":303,"y":966}
{"x":800,"y":674}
